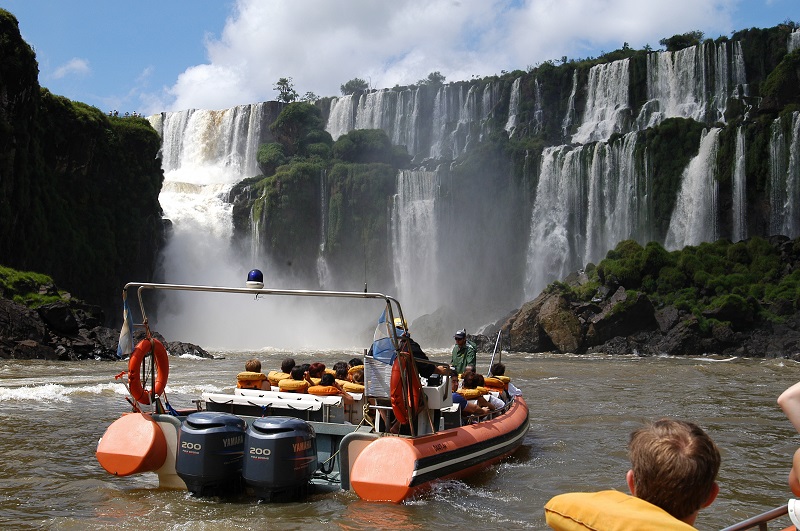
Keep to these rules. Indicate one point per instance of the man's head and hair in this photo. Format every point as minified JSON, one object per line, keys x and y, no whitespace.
{"x":341,"y":374}
{"x":339,"y":365}
{"x":357,"y":376}
{"x":498,"y":369}
{"x":674,"y":465}
{"x":355,"y":362}
{"x":287,"y":365}
{"x":327,"y":379}
{"x":252,"y":365}
{"x":460,"y":336}
{"x":298,"y":373}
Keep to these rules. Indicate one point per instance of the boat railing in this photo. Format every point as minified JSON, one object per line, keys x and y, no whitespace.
{"x":760,"y":521}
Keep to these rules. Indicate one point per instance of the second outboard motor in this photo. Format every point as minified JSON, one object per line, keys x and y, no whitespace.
{"x":280,"y":457}
{"x":210,"y":449}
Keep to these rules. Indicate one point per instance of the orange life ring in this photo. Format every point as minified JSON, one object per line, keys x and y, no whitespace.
{"x":161,"y":359}
{"x":403,"y":410}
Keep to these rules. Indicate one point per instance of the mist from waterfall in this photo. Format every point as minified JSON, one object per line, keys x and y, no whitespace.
{"x":204,"y":153}
{"x":415,"y":240}
{"x":694,"y":218}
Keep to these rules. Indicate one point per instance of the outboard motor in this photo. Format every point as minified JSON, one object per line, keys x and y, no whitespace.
{"x":280,"y":457}
{"x":210,"y":449}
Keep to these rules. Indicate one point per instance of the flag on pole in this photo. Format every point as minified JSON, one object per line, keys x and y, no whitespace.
{"x":382,"y":346}
{"x":125,"y":346}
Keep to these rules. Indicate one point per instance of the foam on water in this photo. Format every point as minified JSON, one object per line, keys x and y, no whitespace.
{"x":56,"y":392}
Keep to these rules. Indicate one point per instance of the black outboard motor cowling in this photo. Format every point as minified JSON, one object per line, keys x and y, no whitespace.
{"x":280,"y":457}
{"x":210,"y":450}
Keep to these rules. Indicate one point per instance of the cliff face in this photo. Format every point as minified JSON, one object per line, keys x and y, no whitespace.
{"x":78,"y":189}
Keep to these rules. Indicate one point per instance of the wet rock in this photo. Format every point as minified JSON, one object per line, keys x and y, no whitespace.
{"x":622,"y":315}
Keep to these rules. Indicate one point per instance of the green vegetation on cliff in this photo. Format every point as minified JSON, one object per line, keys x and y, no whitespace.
{"x":78,"y":189}
{"x":739,"y":283}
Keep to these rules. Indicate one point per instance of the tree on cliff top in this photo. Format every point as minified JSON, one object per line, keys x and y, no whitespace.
{"x":681,"y":41}
{"x":286,"y":91}
{"x":354,"y":85}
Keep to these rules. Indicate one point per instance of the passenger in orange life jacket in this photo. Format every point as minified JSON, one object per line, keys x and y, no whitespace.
{"x":252,"y":377}
{"x":674,"y":466}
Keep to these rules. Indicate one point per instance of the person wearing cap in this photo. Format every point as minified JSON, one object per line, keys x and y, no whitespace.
{"x":464,"y":352}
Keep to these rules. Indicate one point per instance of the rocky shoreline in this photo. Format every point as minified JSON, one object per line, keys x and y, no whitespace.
{"x":68,"y":330}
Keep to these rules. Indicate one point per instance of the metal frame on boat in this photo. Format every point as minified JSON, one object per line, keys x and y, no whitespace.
{"x":270,"y":443}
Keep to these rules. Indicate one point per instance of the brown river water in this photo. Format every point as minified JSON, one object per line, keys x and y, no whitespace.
{"x":582,"y":409}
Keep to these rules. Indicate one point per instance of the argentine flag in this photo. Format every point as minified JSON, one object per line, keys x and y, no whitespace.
{"x":382,"y":346}
{"x":125,"y":346}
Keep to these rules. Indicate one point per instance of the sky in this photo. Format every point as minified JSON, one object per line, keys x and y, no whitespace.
{"x":150,"y":56}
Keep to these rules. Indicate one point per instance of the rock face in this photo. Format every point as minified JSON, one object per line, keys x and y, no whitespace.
{"x":67,"y":331}
{"x":626,"y":323}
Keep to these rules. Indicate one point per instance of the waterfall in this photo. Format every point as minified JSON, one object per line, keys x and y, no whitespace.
{"x":785,"y":178}
{"x":694,"y":218}
{"x":204,"y":153}
{"x":342,"y":116}
{"x":616,"y":198}
{"x":513,"y":107}
{"x":794,"y":41}
{"x":739,"y":189}
{"x":676,"y":86}
{"x":323,"y":271}
{"x":606,"y":102}
{"x":721,"y":79}
{"x":556,"y":219}
{"x":740,"y":86}
{"x":456,"y":116}
{"x":414,"y":239}
{"x":566,"y":124}
{"x":538,"y":108}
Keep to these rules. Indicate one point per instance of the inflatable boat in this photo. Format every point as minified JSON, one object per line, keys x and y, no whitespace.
{"x":277,"y":445}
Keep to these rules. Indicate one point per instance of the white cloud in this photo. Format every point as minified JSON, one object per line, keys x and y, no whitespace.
{"x":74,"y":66}
{"x":322,"y":44}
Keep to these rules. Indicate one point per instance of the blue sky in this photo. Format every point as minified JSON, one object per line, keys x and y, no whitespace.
{"x":150,"y":56}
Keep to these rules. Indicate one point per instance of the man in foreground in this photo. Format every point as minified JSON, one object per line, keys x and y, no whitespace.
{"x":674,"y":466}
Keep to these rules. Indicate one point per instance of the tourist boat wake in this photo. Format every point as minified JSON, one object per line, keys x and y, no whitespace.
{"x":276,"y":445}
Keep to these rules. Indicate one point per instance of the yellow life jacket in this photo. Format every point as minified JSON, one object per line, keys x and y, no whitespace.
{"x":355,"y":368}
{"x":276,"y":376}
{"x":293,"y":386}
{"x":352,"y":387}
{"x":249,"y":380}
{"x":608,"y":510}
{"x":323,"y":390}
{"x":471,"y":394}
{"x":495,"y":384}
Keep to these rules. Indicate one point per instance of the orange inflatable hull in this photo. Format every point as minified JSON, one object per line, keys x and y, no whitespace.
{"x":133,"y":444}
{"x":395,"y":468}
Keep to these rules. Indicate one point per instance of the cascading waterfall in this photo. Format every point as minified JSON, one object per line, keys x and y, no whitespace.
{"x":466,"y":109}
{"x":794,"y":40}
{"x":617,"y":198}
{"x":785,"y":178}
{"x":676,"y":86}
{"x":204,"y":153}
{"x":606,"y":102}
{"x":739,"y":189}
{"x":513,"y":107}
{"x":694,"y":219}
{"x":415,"y":239}
{"x":323,"y":271}
{"x":569,"y":117}
{"x":557,"y":219}
{"x":538,"y":108}
{"x":740,"y":86}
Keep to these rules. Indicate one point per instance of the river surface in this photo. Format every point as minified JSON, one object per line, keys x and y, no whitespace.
{"x":582,"y":409}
